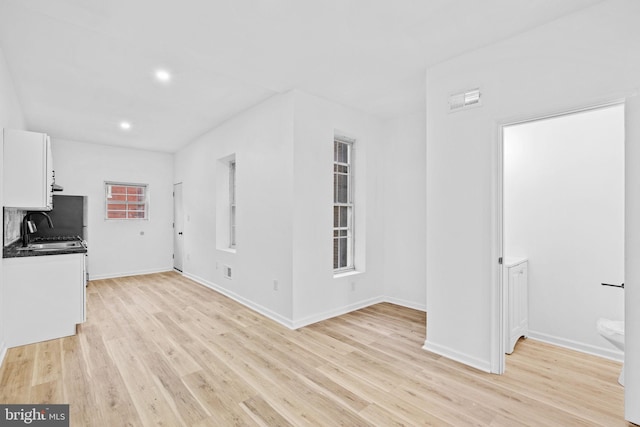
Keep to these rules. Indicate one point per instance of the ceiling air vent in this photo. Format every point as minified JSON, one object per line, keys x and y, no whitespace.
{"x":464,"y":100}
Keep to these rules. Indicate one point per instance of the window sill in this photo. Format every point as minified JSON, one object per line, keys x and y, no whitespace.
{"x":348,"y":273}
{"x":228,"y":250}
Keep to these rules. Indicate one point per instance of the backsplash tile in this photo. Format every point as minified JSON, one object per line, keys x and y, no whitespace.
{"x":12,"y":222}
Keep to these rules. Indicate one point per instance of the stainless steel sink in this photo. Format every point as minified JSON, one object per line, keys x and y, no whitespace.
{"x":51,"y":246}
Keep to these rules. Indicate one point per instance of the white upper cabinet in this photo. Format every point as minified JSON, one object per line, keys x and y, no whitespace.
{"x":28,"y":170}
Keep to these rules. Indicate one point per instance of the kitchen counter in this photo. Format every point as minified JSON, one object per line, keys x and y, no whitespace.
{"x":12,"y":251}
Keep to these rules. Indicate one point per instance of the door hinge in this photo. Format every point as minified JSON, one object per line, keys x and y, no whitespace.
{"x":500,"y":260}
{"x":173,"y":256}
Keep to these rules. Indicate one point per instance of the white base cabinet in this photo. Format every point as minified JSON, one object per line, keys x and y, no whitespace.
{"x":517,"y":288}
{"x":44,"y":297}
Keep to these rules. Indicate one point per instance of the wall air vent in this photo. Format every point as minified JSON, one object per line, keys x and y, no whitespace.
{"x":464,"y":100}
{"x":226,"y":270}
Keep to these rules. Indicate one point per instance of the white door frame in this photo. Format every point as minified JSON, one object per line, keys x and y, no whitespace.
{"x":178,"y":226}
{"x":498,"y":295}
{"x":632,"y":252}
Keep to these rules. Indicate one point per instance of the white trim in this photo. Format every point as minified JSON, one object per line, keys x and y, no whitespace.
{"x":129,"y":273}
{"x":3,"y":352}
{"x":498,"y":300}
{"x":457,"y":356}
{"x":314,"y":318}
{"x":319,"y":317}
{"x":343,"y":137}
{"x":408,"y":304}
{"x":346,"y":273}
{"x":147,"y":202}
{"x":227,"y":250}
{"x":632,"y":253}
{"x":242,"y":300}
{"x":523,"y":119}
{"x":607,"y":353}
{"x":350,"y":205}
{"x":232,"y":204}
{"x":498,"y":297}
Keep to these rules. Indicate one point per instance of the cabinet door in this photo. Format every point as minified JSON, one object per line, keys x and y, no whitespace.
{"x":518,"y":312}
{"x":28,"y":170}
{"x":83,"y":306}
{"x":50,"y":176}
{"x":43,"y":297}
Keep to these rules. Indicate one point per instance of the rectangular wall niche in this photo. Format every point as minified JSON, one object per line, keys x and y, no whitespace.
{"x":226,"y":170}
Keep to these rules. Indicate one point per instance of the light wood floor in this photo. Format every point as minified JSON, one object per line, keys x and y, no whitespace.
{"x":162,"y":350}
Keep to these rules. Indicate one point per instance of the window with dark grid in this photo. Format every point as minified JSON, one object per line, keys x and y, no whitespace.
{"x":342,"y":206}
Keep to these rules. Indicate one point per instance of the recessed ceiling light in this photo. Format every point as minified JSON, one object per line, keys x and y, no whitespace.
{"x":163,"y":76}
{"x":125,"y":125}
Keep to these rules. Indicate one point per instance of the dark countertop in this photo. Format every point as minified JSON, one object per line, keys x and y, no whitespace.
{"x":11,"y":251}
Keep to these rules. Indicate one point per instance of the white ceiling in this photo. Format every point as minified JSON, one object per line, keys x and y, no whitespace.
{"x":82,"y":66}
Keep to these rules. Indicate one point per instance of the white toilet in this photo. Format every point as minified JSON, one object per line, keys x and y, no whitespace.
{"x":613,"y":331}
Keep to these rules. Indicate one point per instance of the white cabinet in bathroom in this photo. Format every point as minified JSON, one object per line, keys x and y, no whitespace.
{"x":28,"y":176}
{"x":517,"y":297}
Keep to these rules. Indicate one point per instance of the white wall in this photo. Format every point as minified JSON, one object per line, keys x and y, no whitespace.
{"x":316,"y":293}
{"x":575,"y":61}
{"x":564,"y":211}
{"x":404,"y":190}
{"x":10,"y":110}
{"x":10,"y":117}
{"x":283,"y":151}
{"x":262,"y":140}
{"x":118,"y":248}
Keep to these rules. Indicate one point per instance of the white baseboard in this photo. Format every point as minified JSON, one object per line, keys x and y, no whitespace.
{"x":549,"y":339}
{"x":128,"y":273}
{"x":242,"y":300}
{"x":607,"y":353}
{"x":308,"y":320}
{"x":474,"y":362}
{"x":318,"y":317}
{"x":405,"y":303}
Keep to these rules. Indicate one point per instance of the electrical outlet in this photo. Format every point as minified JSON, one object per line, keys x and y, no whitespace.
{"x":217,"y":265}
{"x":275,"y":285}
{"x":353,"y":286}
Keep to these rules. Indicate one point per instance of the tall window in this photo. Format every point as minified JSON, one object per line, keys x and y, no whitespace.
{"x":232,"y":204}
{"x":126,"y":201}
{"x":342,"y":205}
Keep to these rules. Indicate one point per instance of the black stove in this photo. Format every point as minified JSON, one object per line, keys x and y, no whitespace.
{"x":54,"y":239}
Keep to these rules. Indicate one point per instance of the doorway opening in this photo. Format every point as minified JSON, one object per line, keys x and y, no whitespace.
{"x":562,"y":225}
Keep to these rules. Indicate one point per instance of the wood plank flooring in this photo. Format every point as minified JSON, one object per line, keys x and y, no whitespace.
{"x":163,"y":350}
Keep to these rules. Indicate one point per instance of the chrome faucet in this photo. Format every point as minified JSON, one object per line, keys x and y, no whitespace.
{"x":29,"y":226}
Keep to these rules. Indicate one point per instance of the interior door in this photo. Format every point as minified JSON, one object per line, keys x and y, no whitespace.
{"x":632,"y":266}
{"x":178,"y":225}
